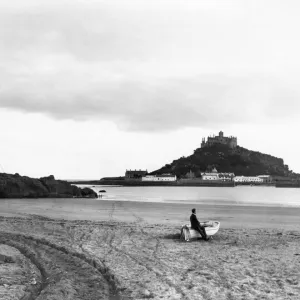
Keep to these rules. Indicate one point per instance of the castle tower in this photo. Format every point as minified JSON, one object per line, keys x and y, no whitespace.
{"x":233,"y":142}
{"x":203,"y":143}
{"x":221,"y":134}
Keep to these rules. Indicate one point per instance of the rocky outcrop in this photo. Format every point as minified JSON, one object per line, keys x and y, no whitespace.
{"x":16,"y":186}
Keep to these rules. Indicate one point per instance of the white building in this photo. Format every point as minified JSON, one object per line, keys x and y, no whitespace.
{"x":163,"y":177}
{"x":266,"y":178}
{"x":210,"y":176}
{"x":217,"y":176}
{"x":249,"y":179}
{"x":213,"y":175}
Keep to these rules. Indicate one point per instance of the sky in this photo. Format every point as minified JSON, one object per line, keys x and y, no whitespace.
{"x":90,"y":88}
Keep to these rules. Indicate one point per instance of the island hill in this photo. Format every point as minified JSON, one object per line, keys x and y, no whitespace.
{"x":219,"y":161}
{"x":223,"y":154}
{"x":16,"y":186}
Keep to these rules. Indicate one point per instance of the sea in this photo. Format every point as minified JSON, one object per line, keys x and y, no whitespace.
{"x":240,"y":195}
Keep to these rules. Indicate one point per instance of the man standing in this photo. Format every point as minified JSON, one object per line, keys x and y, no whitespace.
{"x":195,"y":224}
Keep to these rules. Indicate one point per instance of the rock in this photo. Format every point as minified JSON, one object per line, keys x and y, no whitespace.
{"x":102,"y":191}
{"x":12,"y":186}
{"x":16,"y":186}
{"x":88,"y":193}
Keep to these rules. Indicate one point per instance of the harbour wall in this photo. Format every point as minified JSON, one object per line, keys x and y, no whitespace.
{"x":168,"y":183}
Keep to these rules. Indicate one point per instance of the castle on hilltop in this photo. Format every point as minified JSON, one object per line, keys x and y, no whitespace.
{"x":220,"y":139}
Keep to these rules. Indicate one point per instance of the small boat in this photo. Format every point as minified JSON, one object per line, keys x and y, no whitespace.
{"x":211,"y":228}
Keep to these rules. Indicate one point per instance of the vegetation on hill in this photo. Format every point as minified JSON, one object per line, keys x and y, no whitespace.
{"x":239,"y":161}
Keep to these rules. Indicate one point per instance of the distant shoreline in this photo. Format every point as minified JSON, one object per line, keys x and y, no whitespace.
{"x":156,"y":183}
{"x":182,"y":183}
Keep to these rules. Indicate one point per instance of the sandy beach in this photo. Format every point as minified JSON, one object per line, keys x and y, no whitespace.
{"x":98,"y":249}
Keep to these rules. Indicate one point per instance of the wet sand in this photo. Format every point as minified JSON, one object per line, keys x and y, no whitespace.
{"x":230,"y":216}
{"x":98,"y":249}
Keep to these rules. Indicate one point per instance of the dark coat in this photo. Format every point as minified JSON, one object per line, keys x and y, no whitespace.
{"x":194,"y":221}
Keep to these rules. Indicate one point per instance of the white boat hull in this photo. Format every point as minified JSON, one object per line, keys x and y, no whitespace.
{"x":211,"y":228}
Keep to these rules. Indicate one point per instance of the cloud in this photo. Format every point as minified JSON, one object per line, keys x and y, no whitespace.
{"x":157,"y":106}
{"x":148,"y":66}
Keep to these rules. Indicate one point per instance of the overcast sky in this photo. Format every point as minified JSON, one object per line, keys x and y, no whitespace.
{"x":90,"y":88}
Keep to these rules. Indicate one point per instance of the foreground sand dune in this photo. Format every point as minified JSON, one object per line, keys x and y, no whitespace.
{"x":79,"y":259}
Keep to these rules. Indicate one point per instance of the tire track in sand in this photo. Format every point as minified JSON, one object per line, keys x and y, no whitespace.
{"x":61,"y":269}
{"x":151,"y":269}
{"x":148,"y":266}
{"x":111,"y":212}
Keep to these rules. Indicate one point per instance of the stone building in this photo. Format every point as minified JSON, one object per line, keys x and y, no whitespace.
{"x":190,"y":175}
{"x":134,"y":174}
{"x":220,"y":139}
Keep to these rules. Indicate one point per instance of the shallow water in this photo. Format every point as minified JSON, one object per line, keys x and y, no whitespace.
{"x":241,"y":195}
